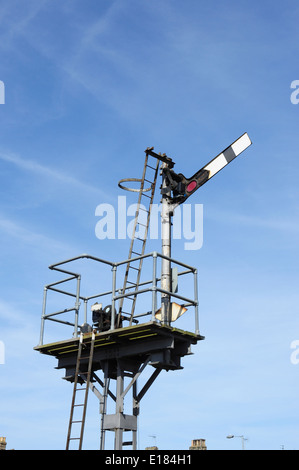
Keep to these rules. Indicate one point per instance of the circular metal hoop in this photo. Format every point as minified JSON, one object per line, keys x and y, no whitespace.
{"x":136,"y":180}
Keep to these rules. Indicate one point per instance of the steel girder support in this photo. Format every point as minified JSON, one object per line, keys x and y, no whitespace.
{"x":120,"y":421}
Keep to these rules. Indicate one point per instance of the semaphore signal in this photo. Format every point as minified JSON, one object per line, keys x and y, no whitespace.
{"x":134,"y":330}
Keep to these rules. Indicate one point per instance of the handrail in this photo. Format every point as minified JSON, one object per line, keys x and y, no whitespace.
{"x":84,"y":255}
{"x":115,"y":293}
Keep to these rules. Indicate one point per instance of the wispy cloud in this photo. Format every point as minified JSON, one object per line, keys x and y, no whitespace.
{"x":33,"y":166}
{"x":15,"y":20}
{"x":31,"y":237}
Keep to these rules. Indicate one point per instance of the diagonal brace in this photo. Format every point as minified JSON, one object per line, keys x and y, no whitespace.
{"x":135,"y":377}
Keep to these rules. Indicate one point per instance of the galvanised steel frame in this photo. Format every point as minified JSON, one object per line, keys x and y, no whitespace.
{"x":121,"y":353}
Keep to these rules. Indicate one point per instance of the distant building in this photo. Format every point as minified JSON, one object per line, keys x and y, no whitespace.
{"x":198,"y":444}
{"x":3,"y":443}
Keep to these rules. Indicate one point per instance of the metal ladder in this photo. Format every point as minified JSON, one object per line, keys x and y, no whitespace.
{"x":137,"y":246}
{"x":83,"y":378}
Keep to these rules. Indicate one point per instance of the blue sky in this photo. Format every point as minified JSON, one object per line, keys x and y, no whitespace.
{"x":88,"y":86}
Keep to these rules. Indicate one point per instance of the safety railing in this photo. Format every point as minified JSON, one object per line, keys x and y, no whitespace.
{"x":115,"y":294}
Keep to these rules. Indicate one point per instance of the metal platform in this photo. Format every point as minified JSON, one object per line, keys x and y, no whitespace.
{"x":121,"y":353}
{"x":112,"y":360}
{"x":164,"y":345}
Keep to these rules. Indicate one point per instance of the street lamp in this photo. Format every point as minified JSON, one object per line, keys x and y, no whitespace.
{"x":231,"y":436}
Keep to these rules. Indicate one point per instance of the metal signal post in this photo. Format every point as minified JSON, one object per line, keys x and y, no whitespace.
{"x":175,"y":189}
{"x":167,"y":212}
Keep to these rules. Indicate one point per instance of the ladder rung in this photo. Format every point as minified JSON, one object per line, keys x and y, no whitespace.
{"x":147,"y":179}
{"x":127,"y":443}
{"x":77,"y":389}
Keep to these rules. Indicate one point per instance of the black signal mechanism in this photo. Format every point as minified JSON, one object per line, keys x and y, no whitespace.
{"x":101,"y":317}
{"x":182,"y":187}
